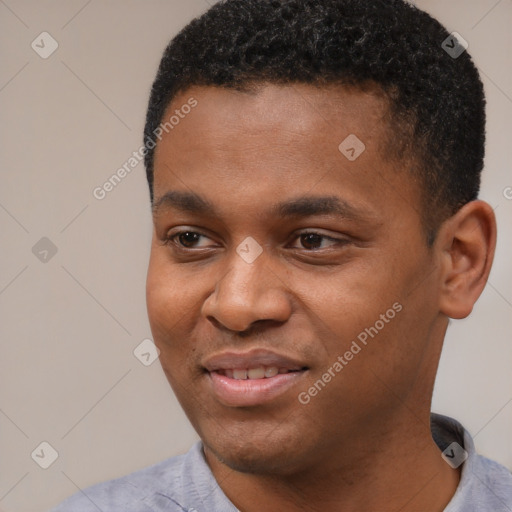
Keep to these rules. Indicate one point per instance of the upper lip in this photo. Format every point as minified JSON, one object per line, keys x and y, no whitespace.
{"x":251,"y":359}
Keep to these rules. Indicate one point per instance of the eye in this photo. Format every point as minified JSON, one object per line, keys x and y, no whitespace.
{"x":313,"y":241}
{"x":187,"y":239}
{"x":310,"y":241}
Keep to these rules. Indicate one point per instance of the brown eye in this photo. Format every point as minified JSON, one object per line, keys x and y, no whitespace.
{"x":311,"y":240}
{"x":188,"y":238}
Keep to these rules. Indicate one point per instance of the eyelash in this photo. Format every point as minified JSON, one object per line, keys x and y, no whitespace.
{"x":173,"y":239}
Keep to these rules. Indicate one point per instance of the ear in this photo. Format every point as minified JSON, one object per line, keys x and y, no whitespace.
{"x":466,"y":243}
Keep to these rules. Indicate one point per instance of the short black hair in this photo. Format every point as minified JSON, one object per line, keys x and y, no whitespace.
{"x":436,"y":99}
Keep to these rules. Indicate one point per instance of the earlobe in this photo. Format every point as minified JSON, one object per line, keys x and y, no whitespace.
{"x":467,"y":242}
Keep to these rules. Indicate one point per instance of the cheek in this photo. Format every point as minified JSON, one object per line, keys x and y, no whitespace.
{"x":167,"y":313}
{"x":165,"y":299}
{"x":160,"y":296}
{"x":174,"y":298}
{"x":370,"y":318}
{"x":168,"y":290}
{"x":345,"y":304}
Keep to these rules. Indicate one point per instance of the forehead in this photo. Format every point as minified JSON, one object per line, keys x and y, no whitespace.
{"x":289,"y":109}
{"x":277,"y":140}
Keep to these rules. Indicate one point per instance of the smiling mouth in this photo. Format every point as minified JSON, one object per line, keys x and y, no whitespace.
{"x":249,"y":387}
{"x":252,"y":378}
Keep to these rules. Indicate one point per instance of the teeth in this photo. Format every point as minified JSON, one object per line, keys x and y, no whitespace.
{"x":262,"y":372}
{"x":240,"y":374}
{"x":256,"y":373}
{"x":271,"y":371}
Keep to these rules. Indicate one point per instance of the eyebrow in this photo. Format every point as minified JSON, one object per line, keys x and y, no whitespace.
{"x":317,"y":205}
{"x":304,"y":206}
{"x":184,"y":201}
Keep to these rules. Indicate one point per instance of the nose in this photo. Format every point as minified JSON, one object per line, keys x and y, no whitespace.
{"x":246,"y":294}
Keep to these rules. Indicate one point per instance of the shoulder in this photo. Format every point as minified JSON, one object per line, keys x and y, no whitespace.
{"x":131,"y":493}
{"x":180,"y":484}
{"x":484,"y":484}
{"x":491,"y":485}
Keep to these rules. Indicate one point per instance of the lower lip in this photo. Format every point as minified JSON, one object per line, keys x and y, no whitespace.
{"x":251,"y":392}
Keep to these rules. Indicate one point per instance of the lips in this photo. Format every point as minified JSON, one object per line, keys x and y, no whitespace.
{"x":251,"y":378}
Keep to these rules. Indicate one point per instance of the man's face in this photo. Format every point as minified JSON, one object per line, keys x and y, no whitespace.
{"x":274,"y":250}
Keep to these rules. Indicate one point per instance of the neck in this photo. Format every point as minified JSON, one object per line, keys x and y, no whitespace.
{"x":396,"y":468}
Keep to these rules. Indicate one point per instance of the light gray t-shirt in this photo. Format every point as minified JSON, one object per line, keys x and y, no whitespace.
{"x":186,"y":484}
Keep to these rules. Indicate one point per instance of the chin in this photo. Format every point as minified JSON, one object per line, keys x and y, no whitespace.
{"x":250,"y":459}
{"x":276,"y":452}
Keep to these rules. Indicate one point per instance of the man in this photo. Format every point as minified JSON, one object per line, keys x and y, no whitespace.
{"x":314,"y":167}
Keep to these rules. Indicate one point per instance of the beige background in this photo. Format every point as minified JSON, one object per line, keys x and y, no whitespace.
{"x":69,"y":326}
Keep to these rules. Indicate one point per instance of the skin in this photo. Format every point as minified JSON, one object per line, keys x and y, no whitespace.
{"x":309,"y":298}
